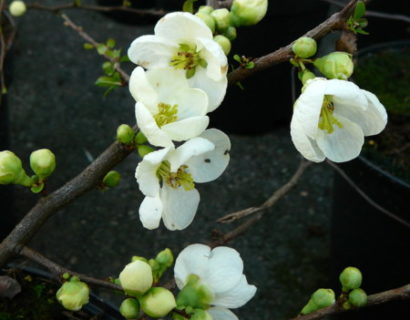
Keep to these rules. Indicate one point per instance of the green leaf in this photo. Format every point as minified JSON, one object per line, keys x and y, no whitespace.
{"x":110,"y":43}
{"x":108,"y":68}
{"x":361,"y":31}
{"x":102,"y":48}
{"x":106,"y":81}
{"x":88,"y":46}
{"x":237,"y":58}
{"x":188,"y":6}
{"x":125,"y":59}
{"x":250,"y":65}
{"x":360,"y":10}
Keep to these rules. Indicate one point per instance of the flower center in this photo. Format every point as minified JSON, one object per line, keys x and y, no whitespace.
{"x":181,"y":178}
{"x":327,"y":119}
{"x":166,"y":114}
{"x":187,"y":58}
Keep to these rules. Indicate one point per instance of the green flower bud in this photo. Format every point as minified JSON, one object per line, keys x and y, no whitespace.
{"x":201,"y":315}
{"x":73,"y":294}
{"x":130,"y":308}
{"x":136,"y":278}
{"x":224,"y":43}
{"x":358,"y":298}
{"x":194,"y":294}
{"x":125,"y":134}
{"x":230,"y":33}
{"x":112,"y":179}
{"x":205,"y":9}
{"x":11,"y":170}
{"x":350,"y":278}
{"x":158,"y":302}
{"x":309,"y":307}
{"x":248,"y":12}
{"x":140,"y":138}
{"x":165,"y":258}
{"x":143,"y":150}
{"x":222,"y":19}
{"x":43,"y":162}
{"x":17,"y":8}
{"x":304,"y":47}
{"x":305,"y":75}
{"x":208,"y":19}
{"x":323,"y":298}
{"x":335,"y":65}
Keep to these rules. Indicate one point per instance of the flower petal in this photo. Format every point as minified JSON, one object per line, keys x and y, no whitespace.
{"x":219,"y":313}
{"x":217,"y":63}
{"x":343,"y":144}
{"x":191,"y":102}
{"x":142,"y":90}
{"x":186,"y":128}
{"x":208,"y":166}
{"x":180,"y":207}
{"x":192,"y":260}
{"x":150,"y":212}
{"x":377,"y":115}
{"x":345,"y":92}
{"x":237,"y":296}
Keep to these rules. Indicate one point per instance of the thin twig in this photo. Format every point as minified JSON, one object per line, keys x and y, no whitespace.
{"x":374,"y":299}
{"x":58,"y":270}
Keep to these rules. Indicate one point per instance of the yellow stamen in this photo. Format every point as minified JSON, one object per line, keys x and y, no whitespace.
{"x":181,"y":178}
{"x":166,"y":114}
{"x":327,"y":120}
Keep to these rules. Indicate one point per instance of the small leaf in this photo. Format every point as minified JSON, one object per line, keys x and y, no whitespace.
{"x":188,"y":6}
{"x":360,"y":10}
{"x":250,"y":65}
{"x":106,"y":81}
{"x":361,"y":31}
{"x":101,"y":48}
{"x":110,"y":43}
{"x":108,"y":68}
{"x":88,"y":46}
{"x":237,"y":58}
{"x":125,"y":59}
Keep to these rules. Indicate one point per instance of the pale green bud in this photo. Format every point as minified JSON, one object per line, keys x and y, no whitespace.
{"x":335,"y":65}
{"x":323,"y":298}
{"x":136,"y":277}
{"x":73,"y":294}
{"x":43,"y":162}
{"x":222,"y":19}
{"x":304,"y":47}
{"x":248,"y":12}
{"x":201,"y":315}
{"x":194,"y":294}
{"x":224,"y":42}
{"x":130,"y":308}
{"x":350,"y":278}
{"x":11,"y":170}
{"x":17,"y":8}
{"x":125,"y":134}
{"x":143,"y":150}
{"x":305,"y":75}
{"x":205,"y":9}
{"x":112,"y":179}
{"x":140,"y":138}
{"x":230,"y":33}
{"x":165,"y":258}
{"x":208,"y":19}
{"x":358,"y":298}
{"x":158,"y":302}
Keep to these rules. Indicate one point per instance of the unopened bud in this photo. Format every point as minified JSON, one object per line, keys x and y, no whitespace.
{"x":350,"y":278}
{"x":112,"y":179}
{"x":205,"y":9}
{"x":335,"y":65}
{"x":230,"y":33}
{"x":358,"y":298}
{"x":73,"y":294}
{"x":17,"y":8}
{"x":224,"y":42}
{"x":201,"y":315}
{"x":43,"y":162}
{"x":304,"y":47}
{"x":222,"y":19}
{"x":125,"y":134}
{"x":194,"y":294}
{"x":165,"y":258}
{"x":158,"y":302}
{"x":323,"y":298}
{"x":130,"y":308}
{"x":143,"y":150}
{"x":248,"y":12}
{"x":208,"y":19}
{"x":11,"y":170}
{"x":305,"y":75}
{"x":140,"y":138}
{"x":136,"y":277}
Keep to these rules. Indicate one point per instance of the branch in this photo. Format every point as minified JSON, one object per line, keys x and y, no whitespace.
{"x":374,"y":299}
{"x":58,"y":270}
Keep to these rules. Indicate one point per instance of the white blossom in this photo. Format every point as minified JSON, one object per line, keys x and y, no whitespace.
{"x":185,"y":43}
{"x":331,"y":118}
{"x":167,"y":178}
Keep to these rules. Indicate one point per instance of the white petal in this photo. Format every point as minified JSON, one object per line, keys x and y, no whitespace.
{"x":224,"y":271}
{"x":142,"y":90}
{"x":149,"y":127}
{"x":146,"y":172}
{"x":215,"y":90}
{"x":343,"y":144}
{"x":376,"y":115}
{"x":219,"y":313}
{"x":208,"y":166}
{"x":189,"y":149}
{"x":345,"y":92}
{"x":192,"y":260}
{"x":180,"y":207}
{"x":237,"y":296}
{"x":216,"y":59}
{"x":152,"y":52}
{"x":191,"y":102}
{"x":186,"y":128}
{"x":182,"y":26}
{"x":150,"y":212}
{"x":305,"y":145}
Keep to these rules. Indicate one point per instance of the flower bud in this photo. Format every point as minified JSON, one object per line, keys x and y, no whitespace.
{"x":358,"y":298}
{"x":112,"y":179}
{"x":205,"y":9}
{"x":230,"y":33}
{"x":350,"y":278}
{"x":248,"y":12}
{"x":208,"y":19}
{"x":143,"y":150}
{"x":304,"y":47}
{"x":136,"y":278}
{"x":335,"y":65}
{"x":17,"y":8}
{"x":73,"y":294}
{"x":201,"y":315}
{"x":194,"y":294}
{"x":158,"y":302}
{"x":130,"y":308}
{"x":165,"y":258}
{"x":224,"y":43}
{"x":222,"y":19}
{"x":323,"y":298}
{"x":306,"y":75}
{"x":42,"y":162}
{"x":140,"y":138}
{"x":11,"y":170}
{"x":125,"y":134}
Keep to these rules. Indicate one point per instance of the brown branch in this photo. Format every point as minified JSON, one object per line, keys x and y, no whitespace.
{"x":335,"y":22}
{"x":374,"y":299}
{"x":58,"y":270}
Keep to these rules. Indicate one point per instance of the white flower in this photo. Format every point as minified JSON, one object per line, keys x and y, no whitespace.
{"x":167,"y":178}
{"x":331,"y":118}
{"x":167,"y":108}
{"x":220,"y":270}
{"x":184,"y":42}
